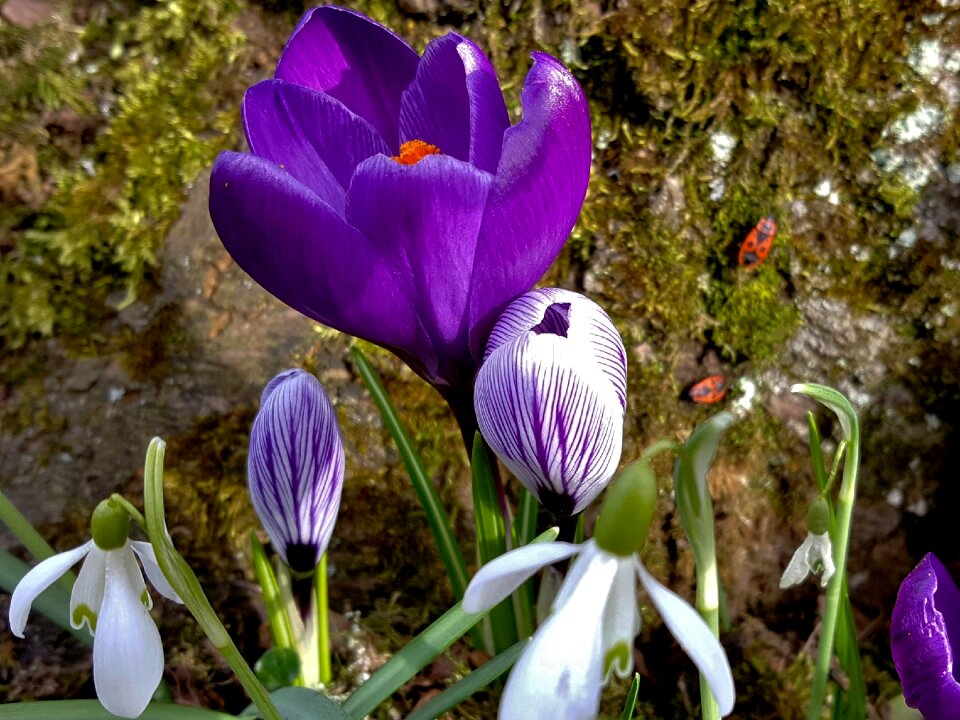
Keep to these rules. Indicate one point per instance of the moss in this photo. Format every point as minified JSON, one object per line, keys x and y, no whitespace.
{"x":170,"y":65}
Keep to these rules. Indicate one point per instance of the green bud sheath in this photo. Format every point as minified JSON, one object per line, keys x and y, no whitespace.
{"x":627,"y":511}
{"x":818,"y":516}
{"x":110,"y":525}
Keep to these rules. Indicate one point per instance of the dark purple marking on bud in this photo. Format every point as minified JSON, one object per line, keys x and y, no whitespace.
{"x":556,"y":320}
{"x":559,"y":504}
{"x":302,"y":558}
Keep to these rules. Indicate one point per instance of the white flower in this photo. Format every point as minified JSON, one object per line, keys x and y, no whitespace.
{"x":590,"y":632}
{"x":111,"y":597}
{"x":815,"y":555}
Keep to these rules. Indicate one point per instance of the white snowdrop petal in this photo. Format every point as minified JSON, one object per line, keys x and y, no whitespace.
{"x":500,"y":577}
{"x":621,"y":621}
{"x":148,"y":558}
{"x":798,"y":567}
{"x":87,"y":595}
{"x":695,"y":637}
{"x":575,"y":573}
{"x":560,"y":674}
{"x":39,"y":579}
{"x":127,"y":652}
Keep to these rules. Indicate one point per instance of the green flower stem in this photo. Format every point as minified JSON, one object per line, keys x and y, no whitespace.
{"x":708,"y":605}
{"x":185,"y":583}
{"x":323,"y":622}
{"x":492,"y":542}
{"x":696,"y":514}
{"x":131,"y":510}
{"x":280,"y":628}
{"x":848,"y":492}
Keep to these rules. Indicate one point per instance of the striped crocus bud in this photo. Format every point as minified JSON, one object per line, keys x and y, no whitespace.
{"x":295,"y":467}
{"x":551,"y":394}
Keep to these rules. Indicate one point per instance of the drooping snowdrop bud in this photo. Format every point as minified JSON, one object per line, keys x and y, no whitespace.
{"x":295,"y":467}
{"x":815,"y":554}
{"x":550,"y":396}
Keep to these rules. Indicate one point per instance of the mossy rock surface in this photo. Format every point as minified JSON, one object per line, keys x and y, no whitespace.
{"x":124,"y":318}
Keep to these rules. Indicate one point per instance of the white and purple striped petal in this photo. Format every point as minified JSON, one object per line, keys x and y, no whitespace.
{"x":552,"y":416}
{"x":573,"y":316}
{"x":295,"y":467}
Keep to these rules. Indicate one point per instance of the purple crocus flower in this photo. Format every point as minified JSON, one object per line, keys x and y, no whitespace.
{"x":923,"y":631}
{"x":551,"y":396}
{"x":388,"y":196}
{"x":295,"y":467}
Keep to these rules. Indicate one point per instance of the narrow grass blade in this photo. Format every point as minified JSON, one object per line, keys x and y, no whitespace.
{"x":631,"y":702}
{"x":436,"y":516}
{"x":491,"y":540}
{"x":472,"y":683}
{"x":412,"y":658}
{"x":420,"y":651}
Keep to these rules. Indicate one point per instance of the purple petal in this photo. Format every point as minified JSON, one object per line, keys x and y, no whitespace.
{"x":455,"y":103}
{"x":552,"y":418}
{"x":537,"y":195}
{"x":587,"y":325}
{"x":295,"y":468}
{"x":422,"y":220}
{"x":296,"y":247}
{"x":923,"y":628}
{"x":310,"y":135}
{"x":350,"y":57}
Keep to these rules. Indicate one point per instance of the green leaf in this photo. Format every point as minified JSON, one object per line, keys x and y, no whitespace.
{"x":93,"y":710}
{"x":816,"y":453}
{"x":436,"y":516}
{"x":631,"y":702}
{"x":474,"y":682}
{"x":278,"y":667}
{"x":410,"y":660}
{"x":837,"y":402}
{"x":298,"y":703}
{"x":690,"y":485}
{"x":491,"y":539}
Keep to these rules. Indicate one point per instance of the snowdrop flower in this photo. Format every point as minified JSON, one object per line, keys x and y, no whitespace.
{"x":815,"y":554}
{"x":295,"y":468}
{"x":111,"y":598}
{"x":550,"y":396}
{"x":595,"y":619}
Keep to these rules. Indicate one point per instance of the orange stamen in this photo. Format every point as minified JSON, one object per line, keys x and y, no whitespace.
{"x":413,"y":151}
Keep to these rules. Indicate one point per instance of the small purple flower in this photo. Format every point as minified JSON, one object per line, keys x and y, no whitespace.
{"x":295,"y":467}
{"x":388,"y":196}
{"x":551,"y":395}
{"x":923,"y":631}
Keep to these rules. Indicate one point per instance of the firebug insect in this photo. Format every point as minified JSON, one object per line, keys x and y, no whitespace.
{"x":709,"y":390}
{"x":758,"y":243}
